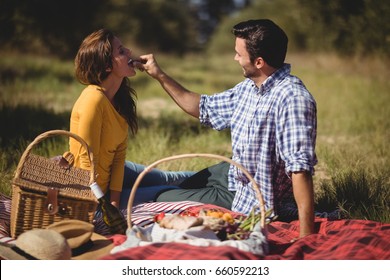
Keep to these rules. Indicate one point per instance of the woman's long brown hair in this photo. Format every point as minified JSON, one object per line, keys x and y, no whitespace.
{"x":92,"y":60}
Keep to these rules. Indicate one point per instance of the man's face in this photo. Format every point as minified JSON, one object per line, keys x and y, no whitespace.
{"x":242,"y":57}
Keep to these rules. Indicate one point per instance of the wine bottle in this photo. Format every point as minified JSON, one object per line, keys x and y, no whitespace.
{"x":112,"y":217}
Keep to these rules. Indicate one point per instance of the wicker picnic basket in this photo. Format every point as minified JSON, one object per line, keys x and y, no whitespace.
{"x":44,"y":192}
{"x":212,"y":156}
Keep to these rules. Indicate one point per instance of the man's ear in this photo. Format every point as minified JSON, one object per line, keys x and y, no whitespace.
{"x":259,"y":62}
{"x":108,"y":69}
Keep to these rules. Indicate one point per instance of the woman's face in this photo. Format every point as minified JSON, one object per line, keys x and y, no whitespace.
{"x":120,"y":60}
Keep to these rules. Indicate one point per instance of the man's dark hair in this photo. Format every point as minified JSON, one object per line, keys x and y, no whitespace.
{"x":263,"y":39}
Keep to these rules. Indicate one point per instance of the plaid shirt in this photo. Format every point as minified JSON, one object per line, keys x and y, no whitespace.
{"x":273,"y":131}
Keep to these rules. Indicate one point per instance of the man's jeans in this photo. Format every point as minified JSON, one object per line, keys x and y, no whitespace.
{"x":153,"y":183}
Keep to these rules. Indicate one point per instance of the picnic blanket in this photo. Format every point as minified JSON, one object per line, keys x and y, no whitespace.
{"x":333,"y":240}
{"x":344,"y":239}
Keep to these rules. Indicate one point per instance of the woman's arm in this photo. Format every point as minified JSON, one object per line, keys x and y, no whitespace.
{"x":117,"y":173}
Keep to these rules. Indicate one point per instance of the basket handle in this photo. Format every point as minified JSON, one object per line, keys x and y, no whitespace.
{"x":52,"y":133}
{"x":153,"y":165}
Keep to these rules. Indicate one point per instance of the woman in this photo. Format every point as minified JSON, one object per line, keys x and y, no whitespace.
{"x":104,"y":114}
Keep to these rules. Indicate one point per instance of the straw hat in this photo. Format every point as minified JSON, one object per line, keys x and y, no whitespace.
{"x":64,"y":240}
{"x":42,"y":244}
{"x":84,"y":242}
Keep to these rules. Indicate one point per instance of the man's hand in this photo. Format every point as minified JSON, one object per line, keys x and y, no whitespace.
{"x":151,"y":66}
{"x":187,"y":100}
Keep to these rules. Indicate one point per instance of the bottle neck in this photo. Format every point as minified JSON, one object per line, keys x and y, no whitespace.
{"x":97,"y":191}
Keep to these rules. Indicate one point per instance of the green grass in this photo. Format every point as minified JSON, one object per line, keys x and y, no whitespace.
{"x":353,"y":173}
{"x":357,"y":194}
{"x":37,"y":81}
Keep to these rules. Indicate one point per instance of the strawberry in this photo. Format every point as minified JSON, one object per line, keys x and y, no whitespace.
{"x":158,"y":217}
{"x":189,"y":213}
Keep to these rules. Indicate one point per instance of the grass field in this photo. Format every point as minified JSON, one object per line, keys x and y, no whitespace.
{"x":352,"y":95}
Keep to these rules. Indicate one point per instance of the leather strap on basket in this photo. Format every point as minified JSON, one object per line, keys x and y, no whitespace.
{"x":153,"y":165}
{"x":51,"y":205}
{"x":52,"y":133}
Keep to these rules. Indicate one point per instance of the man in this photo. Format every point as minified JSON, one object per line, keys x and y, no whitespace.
{"x":272,"y":118}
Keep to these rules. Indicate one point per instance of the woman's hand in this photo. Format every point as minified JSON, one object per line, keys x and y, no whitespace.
{"x":61,"y":161}
{"x":115,"y":198}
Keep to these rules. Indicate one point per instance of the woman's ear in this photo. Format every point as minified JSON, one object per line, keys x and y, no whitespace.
{"x":108,"y":69}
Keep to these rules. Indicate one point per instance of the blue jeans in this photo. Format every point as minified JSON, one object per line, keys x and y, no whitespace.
{"x":154,"y":182}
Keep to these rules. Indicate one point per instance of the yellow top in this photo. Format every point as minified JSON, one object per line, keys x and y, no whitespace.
{"x":95,"y":120}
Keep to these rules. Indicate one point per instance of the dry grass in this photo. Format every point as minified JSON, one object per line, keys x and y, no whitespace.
{"x":353,"y":118}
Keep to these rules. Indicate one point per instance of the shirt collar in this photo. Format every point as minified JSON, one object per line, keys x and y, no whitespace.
{"x":279,"y":74}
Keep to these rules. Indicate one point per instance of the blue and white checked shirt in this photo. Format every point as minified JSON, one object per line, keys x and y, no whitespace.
{"x":273,"y":131}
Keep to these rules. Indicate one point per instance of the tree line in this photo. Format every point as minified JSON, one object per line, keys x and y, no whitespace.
{"x":58,"y":27}
{"x":181,"y":26}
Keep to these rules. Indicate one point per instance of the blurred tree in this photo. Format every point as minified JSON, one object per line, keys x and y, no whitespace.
{"x":209,"y":14}
{"x":46,"y":25}
{"x":347,"y":26}
{"x":170,"y":26}
{"x":7,"y":28}
{"x":57,"y":27}
{"x":164,"y":25}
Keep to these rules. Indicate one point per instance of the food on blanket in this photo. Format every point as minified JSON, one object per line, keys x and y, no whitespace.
{"x":250,"y":221}
{"x":157,"y":218}
{"x":179,"y":222}
{"x":228,"y":218}
{"x":216,"y":213}
{"x":213,"y":223}
{"x":219,"y":221}
{"x":189,"y":213}
{"x":242,"y":229}
{"x":235,"y":232}
{"x":254,"y":218}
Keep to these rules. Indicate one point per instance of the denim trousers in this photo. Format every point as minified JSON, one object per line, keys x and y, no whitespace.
{"x":153,"y":183}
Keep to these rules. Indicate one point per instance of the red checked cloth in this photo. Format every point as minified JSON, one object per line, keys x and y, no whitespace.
{"x":334,"y":240}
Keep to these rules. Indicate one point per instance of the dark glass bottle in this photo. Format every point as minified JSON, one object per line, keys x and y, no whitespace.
{"x":112,"y":217}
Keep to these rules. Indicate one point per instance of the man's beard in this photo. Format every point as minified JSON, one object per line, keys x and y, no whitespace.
{"x":248,"y":73}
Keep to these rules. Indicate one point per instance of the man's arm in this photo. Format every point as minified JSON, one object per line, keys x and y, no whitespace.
{"x":187,"y":100}
{"x":304,"y":197}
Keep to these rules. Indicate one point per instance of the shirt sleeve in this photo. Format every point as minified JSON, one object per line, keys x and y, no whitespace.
{"x":216,"y":110}
{"x":90,"y":127}
{"x":296,"y":133}
{"x":117,"y":171}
